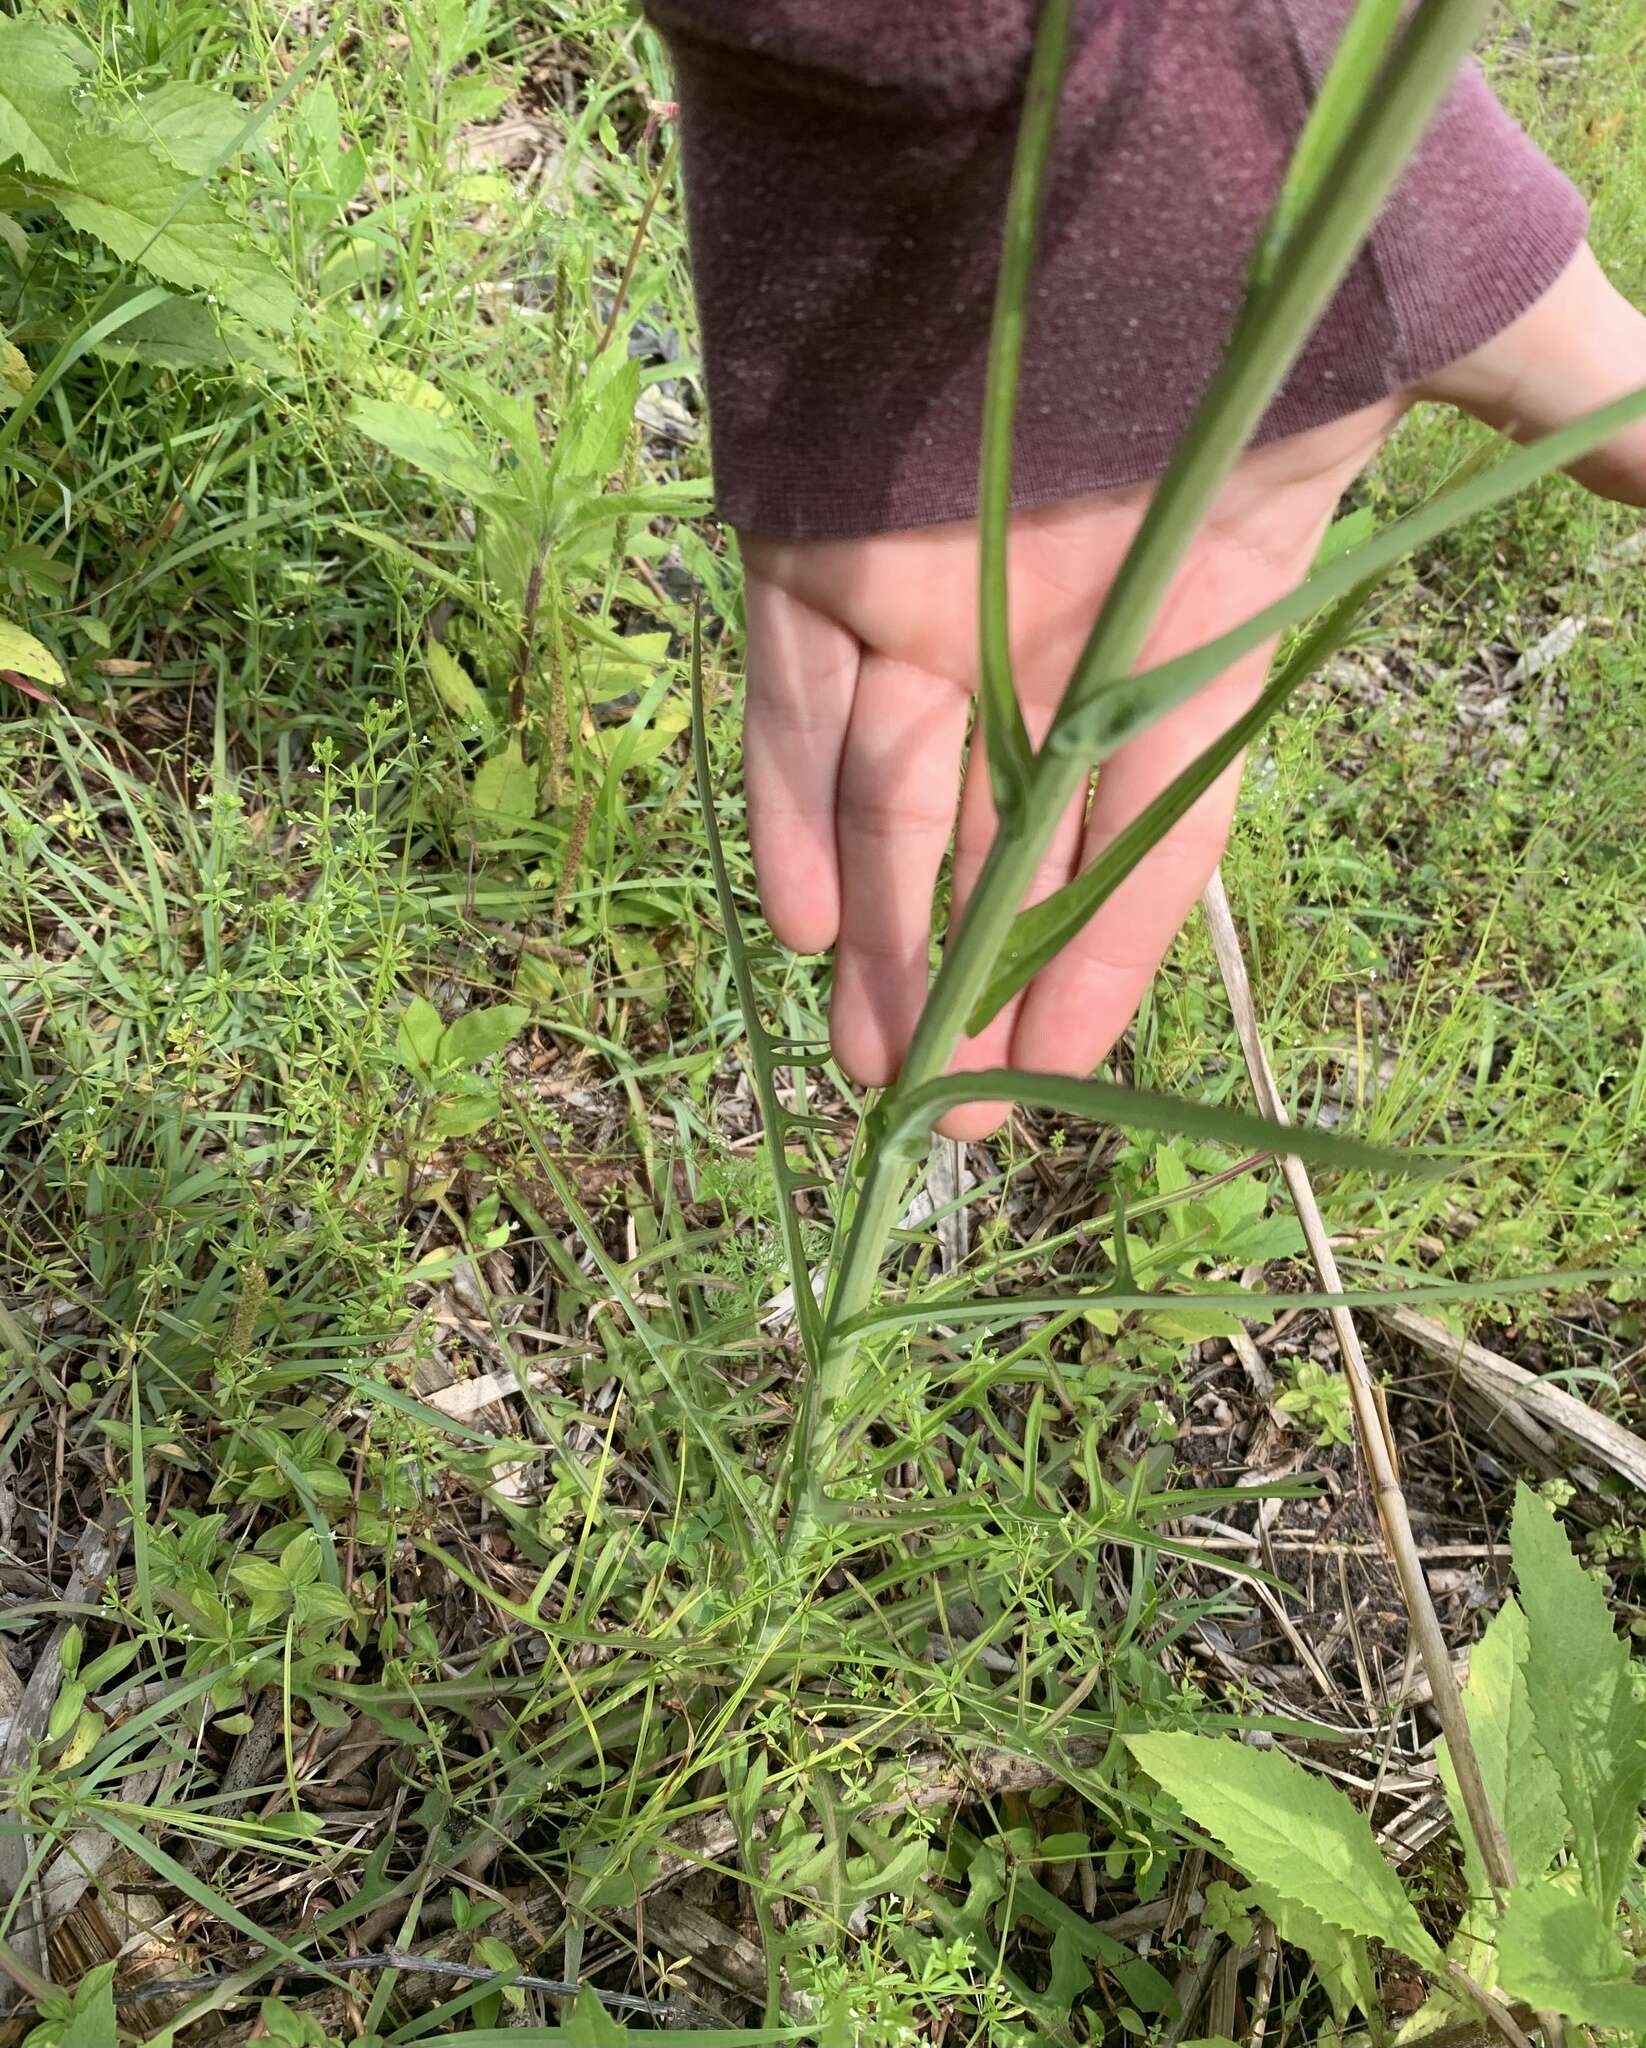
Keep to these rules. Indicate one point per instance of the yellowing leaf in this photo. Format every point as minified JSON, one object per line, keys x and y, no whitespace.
{"x":1290,"y":1831}
{"x":16,"y":378}
{"x":23,"y":653}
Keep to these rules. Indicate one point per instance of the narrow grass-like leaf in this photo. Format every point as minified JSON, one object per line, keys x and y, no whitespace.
{"x":906,"y":1117}
{"x":172,"y":1873}
{"x":1365,"y":43}
{"x":1289,"y":1830}
{"x":1012,"y":1308}
{"x":1006,"y":738}
{"x":1045,"y":928}
{"x":1272,"y":328}
{"x":1117,"y":709}
{"x":762,"y":1064}
{"x":754,"y":1521}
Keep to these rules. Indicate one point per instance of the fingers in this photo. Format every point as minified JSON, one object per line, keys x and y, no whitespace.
{"x":899,"y":778}
{"x":1581,"y":346}
{"x":802,"y":678}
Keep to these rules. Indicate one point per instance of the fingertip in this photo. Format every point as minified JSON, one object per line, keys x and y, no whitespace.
{"x":974,"y":1122}
{"x":805,"y":919}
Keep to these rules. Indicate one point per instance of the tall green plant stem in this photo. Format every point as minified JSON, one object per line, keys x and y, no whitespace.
{"x":1274,"y":325}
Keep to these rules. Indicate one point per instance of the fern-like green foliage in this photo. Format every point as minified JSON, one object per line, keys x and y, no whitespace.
{"x":1559,"y":1729}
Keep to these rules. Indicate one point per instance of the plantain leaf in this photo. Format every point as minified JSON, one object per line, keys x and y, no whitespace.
{"x":478,"y":1034}
{"x":456,"y":688}
{"x":1290,"y":1831}
{"x":504,"y":789}
{"x":1520,"y":1780}
{"x":1587,"y":1719}
{"x":1561,"y":1953}
{"x":429,"y":441}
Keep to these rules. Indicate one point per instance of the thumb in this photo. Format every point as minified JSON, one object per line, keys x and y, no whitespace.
{"x":1580,"y":346}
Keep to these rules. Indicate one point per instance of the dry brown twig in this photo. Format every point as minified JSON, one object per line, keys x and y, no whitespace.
{"x":1377,"y":1446}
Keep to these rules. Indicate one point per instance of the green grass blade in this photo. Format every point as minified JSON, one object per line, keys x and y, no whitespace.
{"x":1006,"y":738}
{"x":1272,"y":329}
{"x":763,"y":1065}
{"x":754,"y":1521}
{"x":1365,"y":44}
{"x":910,"y":1116}
{"x":1015,"y":1308}
{"x":1121,"y":708}
{"x":1042,"y":931}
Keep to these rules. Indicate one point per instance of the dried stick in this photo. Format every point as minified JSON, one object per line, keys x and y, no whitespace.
{"x":1371,"y":1423}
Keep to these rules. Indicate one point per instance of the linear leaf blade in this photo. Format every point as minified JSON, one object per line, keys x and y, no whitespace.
{"x":1045,"y":928}
{"x":1006,"y":738}
{"x":1138,"y":1109}
{"x":1112,"y":710}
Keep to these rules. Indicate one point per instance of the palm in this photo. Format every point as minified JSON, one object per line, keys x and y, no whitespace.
{"x":862,"y":662}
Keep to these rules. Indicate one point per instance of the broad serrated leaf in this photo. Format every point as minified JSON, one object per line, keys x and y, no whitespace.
{"x":1340,"y":1960}
{"x":430,"y":441}
{"x":25,"y":655}
{"x":1520,"y":1781}
{"x":504,"y":789}
{"x":141,"y":207}
{"x":591,"y":446}
{"x":1290,"y":1831}
{"x":478,"y":1034}
{"x":1560,"y":1953}
{"x":39,"y":70}
{"x":456,"y":689}
{"x":197,"y":127}
{"x":1587,"y":1720}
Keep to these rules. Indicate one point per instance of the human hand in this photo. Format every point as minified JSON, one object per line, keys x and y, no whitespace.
{"x":862,"y":659}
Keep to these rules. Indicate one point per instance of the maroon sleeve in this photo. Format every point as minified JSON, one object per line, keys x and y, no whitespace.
{"x":846,"y":167}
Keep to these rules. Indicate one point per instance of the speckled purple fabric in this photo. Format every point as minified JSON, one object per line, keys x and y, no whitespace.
{"x":846,"y":167}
